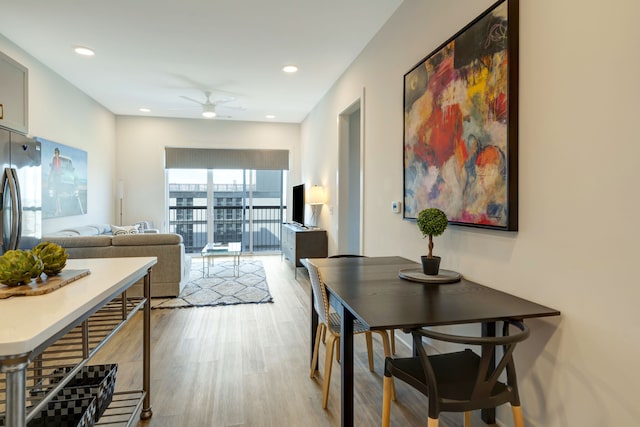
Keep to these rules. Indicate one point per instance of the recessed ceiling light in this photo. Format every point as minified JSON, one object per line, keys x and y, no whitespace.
{"x":145,"y":110}
{"x":84,"y":51}
{"x":270,"y":116}
{"x":290,"y":69}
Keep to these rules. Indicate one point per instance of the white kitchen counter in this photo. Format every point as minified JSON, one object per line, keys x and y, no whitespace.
{"x":28,"y":322}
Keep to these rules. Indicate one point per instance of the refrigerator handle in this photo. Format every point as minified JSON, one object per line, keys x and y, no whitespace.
{"x":16,"y":209}
{"x":3,"y":184}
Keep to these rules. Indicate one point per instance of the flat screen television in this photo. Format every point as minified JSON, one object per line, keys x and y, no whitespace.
{"x":297,"y":204}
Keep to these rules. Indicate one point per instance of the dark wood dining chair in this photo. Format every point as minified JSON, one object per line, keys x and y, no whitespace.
{"x":329,"y":323}
{"x":460,"y":381}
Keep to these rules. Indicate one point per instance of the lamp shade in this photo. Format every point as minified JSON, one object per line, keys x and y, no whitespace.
{"x":316,"y":195}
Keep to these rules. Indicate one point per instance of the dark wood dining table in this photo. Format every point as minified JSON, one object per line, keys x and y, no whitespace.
{"x":370,"y":290}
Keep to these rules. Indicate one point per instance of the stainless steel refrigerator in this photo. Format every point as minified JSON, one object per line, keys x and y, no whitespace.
{"x":20,"y":191}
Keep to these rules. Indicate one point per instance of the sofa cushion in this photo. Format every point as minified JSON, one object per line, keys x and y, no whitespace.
{"x":80,"y":241}
{"x":63,"y":233}
{"x":144,"y":225}
{"x":146,"y":239}
{"x":102,"y":228}
{"x":124,"y":229}
{"x":87,"y":230}
{"x":82,"y":230}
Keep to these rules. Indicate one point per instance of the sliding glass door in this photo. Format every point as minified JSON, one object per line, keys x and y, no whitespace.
{"x":227,"y":205}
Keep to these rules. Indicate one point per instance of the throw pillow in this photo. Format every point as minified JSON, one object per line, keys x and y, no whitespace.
{"x":125,"y":229}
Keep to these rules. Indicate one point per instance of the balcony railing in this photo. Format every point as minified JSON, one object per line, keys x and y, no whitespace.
{"x":258,"y":228}
{"x":202,"y":188}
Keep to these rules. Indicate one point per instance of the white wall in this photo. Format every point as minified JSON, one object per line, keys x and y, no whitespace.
{"x":60,"y":112}
{"x":140,"y":154}
{"x":579,"y":170}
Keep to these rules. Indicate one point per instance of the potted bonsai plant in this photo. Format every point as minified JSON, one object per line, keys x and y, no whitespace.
{"x":431,"y":222}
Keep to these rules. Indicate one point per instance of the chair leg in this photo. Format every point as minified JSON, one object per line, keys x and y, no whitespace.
{"x":367,"y":336}
{"x":387,"y":353}
{"x":467,"y":419}
{"x":518,"y":421}
{"x":331,"y":344}
{"x":316,"y":348}
{"x":433,"y":422}
{"x":387,"y":385}
{"x":385,"y":343}
{"x":392,"y":335}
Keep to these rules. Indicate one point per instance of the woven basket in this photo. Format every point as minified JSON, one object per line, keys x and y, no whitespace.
{"x":62,"y":412}
{"x":96,"y":380}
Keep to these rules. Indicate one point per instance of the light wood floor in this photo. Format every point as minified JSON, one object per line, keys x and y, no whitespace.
{"x":248,"y":365}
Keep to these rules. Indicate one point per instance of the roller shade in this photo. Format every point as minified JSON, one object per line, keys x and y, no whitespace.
{"x":216,"y":158}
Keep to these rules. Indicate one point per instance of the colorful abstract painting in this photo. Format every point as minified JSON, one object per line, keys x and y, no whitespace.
{"x":460,"y":125}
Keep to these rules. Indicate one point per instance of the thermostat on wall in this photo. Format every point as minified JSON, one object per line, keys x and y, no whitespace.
{"x":395,"y":207}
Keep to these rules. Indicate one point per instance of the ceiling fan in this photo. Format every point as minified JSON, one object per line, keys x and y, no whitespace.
{"x":209,"y":107}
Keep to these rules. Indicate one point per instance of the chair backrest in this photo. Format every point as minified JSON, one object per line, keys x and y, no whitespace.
{"x":320,"y":300}
{"x":484,"y":392}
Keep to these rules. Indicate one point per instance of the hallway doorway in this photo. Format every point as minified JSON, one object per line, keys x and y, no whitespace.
{"x":350,"y":179}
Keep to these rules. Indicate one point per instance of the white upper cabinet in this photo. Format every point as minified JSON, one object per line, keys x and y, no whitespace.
{"x":13,"y":95}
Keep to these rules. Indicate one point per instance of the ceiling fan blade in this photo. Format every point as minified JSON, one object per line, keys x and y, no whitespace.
{"x":223,"y":93}
{"x":191,"y":99}
{"x":224,"y":100}
{"x":230,"y":107}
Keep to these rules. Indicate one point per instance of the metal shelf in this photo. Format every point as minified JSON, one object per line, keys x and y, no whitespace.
{"x":75,"y":348}
{"x":124,"y":410}
{"x":70,"y":350}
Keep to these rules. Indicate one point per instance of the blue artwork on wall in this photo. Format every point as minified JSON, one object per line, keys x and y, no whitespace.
{"x":64,"y":180}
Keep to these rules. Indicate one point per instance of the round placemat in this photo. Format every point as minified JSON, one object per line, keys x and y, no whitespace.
{"x":416,"y":275}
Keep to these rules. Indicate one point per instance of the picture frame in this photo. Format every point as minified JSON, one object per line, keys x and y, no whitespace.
{"x":460,"y":133}
{"x":64,"y":179}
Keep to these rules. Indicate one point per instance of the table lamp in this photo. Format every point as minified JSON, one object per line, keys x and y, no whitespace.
{"x":316,"y":200}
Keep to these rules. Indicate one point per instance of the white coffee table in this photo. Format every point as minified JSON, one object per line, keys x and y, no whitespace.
{"x":212,"y":250}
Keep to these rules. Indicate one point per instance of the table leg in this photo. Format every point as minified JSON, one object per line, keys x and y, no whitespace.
{"x":346,"y":372}
{"x":15,"y":368}
{"x":146,"y":349}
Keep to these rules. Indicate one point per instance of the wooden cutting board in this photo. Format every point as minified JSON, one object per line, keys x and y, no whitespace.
{"x":45,"y":286}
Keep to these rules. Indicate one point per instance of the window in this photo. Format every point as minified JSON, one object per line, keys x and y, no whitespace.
{"x":220,"y":205}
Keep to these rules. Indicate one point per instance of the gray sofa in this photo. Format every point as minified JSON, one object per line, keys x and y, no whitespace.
{"x":168,"y":277}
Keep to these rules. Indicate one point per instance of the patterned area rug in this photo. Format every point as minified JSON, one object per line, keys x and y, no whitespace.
{"x":221,"y":287}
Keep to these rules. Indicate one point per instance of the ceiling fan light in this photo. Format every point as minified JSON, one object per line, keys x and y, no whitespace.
{"x":208,"y":111}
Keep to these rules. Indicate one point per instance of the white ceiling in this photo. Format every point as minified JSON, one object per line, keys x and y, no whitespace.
{"x":150,"y":53}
